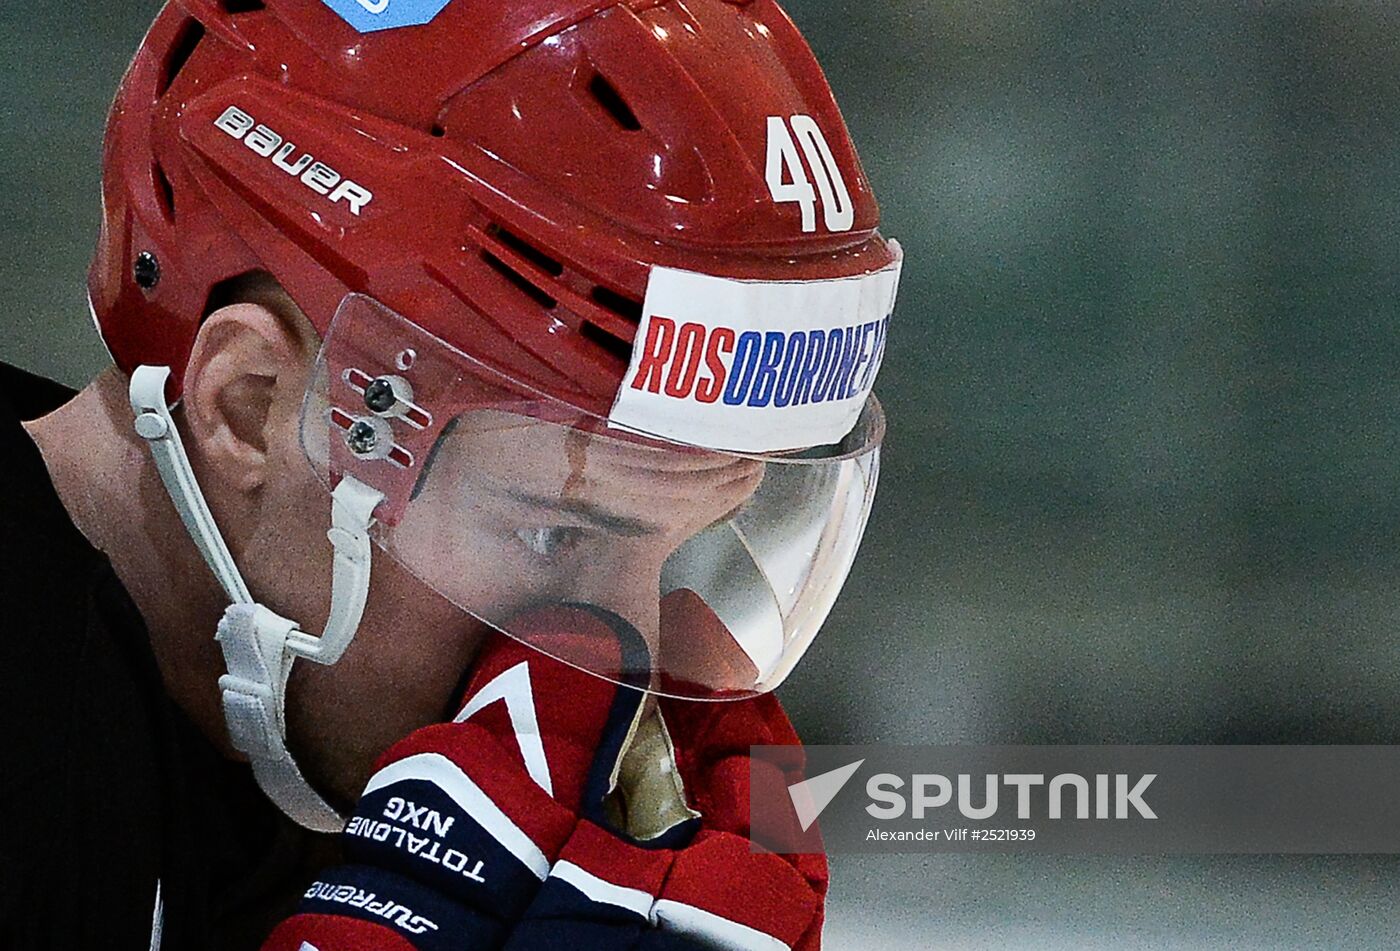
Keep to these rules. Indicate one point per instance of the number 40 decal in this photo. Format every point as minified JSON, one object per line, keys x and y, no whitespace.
{"x":787,"y":179}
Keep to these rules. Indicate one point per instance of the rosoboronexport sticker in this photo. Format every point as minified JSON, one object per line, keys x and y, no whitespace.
{"x":755,"y":366}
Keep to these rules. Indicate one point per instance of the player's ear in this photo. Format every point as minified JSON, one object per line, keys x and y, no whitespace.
{"x":246,"y":365}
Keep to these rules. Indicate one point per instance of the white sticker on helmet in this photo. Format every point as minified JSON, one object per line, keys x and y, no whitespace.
{"x":755,"y":366}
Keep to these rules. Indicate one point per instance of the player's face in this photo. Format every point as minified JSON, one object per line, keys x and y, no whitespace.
{"x":517,"y":512}
{"x":510,"y":512}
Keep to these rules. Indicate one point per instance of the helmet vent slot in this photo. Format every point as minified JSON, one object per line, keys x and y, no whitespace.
{"x":622,"y":306}
{"x":242,"y":6}
{"x":613,"y":345}
{"x":605,"y":318}
{"x":526,"y":250}
{"x":607,"y":96}
{"x":519,"y":280}
{"x":165,"y":194}
{"x":191,"y":32}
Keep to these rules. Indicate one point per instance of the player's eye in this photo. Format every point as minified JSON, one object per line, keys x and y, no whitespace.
{"x":549,"y":541}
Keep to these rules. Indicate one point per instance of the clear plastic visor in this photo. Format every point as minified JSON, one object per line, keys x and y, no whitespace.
{"x":502,"y":499}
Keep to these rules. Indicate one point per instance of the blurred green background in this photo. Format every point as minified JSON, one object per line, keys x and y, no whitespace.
{"x":1143,"y":471}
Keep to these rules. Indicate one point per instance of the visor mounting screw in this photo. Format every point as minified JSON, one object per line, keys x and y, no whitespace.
{"x":362,"y":438}
{"x":380,"y":396}
{"x":146,"y":270}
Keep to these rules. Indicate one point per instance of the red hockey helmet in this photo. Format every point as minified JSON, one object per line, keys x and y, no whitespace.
{"x":640,"y":227}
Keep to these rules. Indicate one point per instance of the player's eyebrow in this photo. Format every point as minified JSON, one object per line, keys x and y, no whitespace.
{"x":600,"y":517}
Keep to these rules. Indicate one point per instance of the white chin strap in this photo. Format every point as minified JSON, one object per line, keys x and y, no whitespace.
{"x":259,"y":645}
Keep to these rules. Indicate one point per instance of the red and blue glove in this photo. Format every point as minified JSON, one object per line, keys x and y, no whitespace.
{"x":504,"y":830}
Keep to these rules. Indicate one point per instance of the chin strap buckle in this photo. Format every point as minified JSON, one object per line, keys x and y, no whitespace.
{"x":258,"y":654}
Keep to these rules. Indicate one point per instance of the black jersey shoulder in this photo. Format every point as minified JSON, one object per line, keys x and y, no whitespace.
{"x":108,"y":786}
